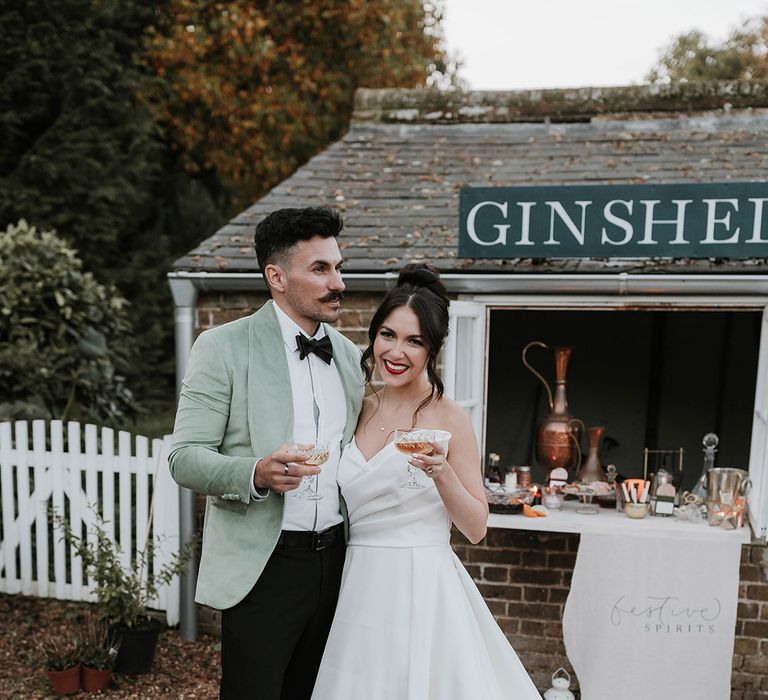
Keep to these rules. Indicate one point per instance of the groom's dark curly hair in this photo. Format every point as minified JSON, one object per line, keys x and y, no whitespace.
{"x":284,"y":228}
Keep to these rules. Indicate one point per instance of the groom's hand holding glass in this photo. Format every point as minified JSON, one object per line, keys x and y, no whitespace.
{"x":283,"y":470}
{"x":313,"y":454}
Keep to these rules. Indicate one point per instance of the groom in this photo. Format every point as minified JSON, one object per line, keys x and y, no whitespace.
{"x":271,"y":561}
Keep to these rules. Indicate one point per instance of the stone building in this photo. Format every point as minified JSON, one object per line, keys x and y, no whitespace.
{"x":666,"y":348}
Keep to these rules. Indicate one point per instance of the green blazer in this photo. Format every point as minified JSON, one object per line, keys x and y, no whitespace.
{"x":235,"y":405}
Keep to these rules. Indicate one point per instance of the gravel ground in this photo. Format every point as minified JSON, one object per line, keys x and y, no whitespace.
{"x":180,"y":669}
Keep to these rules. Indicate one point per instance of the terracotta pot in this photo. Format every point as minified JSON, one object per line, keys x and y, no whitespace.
{"x":96,"y":678}
{"x":65,"y":682}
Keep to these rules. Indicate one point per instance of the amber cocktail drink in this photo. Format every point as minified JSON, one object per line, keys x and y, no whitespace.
{"x":413,"y":441}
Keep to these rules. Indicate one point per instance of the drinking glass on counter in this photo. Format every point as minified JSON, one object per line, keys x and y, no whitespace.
{"x":587,"y":506}
{"x":551,"y":499}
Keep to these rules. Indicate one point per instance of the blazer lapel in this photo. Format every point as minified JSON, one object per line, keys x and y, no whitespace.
{"x":270,"y":415}
{"x":350,"y":378}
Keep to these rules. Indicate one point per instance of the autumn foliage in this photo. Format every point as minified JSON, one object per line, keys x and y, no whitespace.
{"x":252,"y":90}
{"x":136,"y":128}
{"x":743,"y":55}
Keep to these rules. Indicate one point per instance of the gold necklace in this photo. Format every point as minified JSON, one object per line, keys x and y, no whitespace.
{"x":381,"y":410}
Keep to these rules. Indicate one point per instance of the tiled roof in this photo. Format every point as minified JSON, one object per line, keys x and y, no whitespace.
{"x":397,"y":173}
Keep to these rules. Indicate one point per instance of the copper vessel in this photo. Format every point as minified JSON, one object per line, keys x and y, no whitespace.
{"x":592,"y":470}
{"x":558,"y":434}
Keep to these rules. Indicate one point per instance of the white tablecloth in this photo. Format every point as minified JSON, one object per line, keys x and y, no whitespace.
{"x":652,"y":618}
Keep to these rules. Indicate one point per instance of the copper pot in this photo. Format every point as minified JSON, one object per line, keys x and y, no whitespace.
{"x":559,"y":434}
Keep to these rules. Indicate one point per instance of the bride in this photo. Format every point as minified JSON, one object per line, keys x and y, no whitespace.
{"x":410,"y":624}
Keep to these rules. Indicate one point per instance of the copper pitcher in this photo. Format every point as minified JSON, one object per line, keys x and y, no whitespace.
{"x":558,"y":435}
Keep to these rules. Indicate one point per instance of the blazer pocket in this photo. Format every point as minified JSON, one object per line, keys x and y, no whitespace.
{"x":232,"y":506}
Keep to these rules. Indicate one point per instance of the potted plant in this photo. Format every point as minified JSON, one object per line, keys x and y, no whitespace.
{"x":123,"y":592}
{"x":60,"y":655}
{"x":97,"y":654}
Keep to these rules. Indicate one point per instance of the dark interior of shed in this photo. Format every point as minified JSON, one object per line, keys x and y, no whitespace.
{"x":660,"y":379}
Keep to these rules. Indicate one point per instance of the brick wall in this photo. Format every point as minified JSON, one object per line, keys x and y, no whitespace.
{"x":524,"y":576}
{"x":750,"y":659}
{"x":213,"y":309}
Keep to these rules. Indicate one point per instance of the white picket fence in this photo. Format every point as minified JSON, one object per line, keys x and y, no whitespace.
{"x":79,"y":473}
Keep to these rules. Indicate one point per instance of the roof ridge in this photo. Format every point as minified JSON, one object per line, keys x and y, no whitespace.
{"x":431,"y":106}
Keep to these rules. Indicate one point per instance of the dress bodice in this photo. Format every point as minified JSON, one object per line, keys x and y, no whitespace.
{"x":381,"y":514}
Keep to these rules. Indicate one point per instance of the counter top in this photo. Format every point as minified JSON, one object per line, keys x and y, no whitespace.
{"x":610,"y":520}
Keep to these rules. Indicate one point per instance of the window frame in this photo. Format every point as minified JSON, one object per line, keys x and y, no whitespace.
{"x":479,"y":306}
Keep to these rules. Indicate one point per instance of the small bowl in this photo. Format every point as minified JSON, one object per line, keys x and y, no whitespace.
{"x":506,"y":502}
{"x":636,"y":510}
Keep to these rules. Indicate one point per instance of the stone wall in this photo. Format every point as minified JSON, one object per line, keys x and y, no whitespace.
{"x":525,"y":576}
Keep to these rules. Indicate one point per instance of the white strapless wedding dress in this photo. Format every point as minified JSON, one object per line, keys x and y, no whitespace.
{"x":410,"y":623}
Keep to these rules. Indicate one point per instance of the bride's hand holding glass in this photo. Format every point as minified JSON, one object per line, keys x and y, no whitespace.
{"x":431,"y":461}
{"x":413,"y":441}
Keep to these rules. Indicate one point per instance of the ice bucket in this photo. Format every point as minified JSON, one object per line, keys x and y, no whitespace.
{"x":725,"y":485}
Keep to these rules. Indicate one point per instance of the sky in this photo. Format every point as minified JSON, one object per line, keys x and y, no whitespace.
{"x":508,"y":44}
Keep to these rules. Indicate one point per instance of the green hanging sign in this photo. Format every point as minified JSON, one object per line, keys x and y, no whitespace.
{"x":712,"y":220}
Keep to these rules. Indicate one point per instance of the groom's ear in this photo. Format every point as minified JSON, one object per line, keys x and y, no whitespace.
{"x":275,"y":277}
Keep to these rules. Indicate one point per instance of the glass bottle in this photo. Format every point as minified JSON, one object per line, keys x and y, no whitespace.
{"x":710,"y":443}
{"x":492,"y":470}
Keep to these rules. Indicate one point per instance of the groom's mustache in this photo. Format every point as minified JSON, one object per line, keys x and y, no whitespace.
{"x":333,"y":296}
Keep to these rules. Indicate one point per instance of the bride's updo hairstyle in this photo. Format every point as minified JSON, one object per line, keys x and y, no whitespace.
{"x":420,"y":289}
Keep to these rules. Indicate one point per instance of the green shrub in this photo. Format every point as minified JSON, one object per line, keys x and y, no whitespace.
{"x":122,"y":591}
{"x":59,"y":652}
{"x":65,"y":341}
{"x":98,"y":646}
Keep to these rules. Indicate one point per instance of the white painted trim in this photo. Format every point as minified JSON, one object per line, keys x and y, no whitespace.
{"x":758,"y":457}
{"x":591,"y":301}
{"x":612,"y":284}
{"x":473,"y":336}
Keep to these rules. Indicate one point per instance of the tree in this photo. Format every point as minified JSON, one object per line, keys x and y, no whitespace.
{"x":65,"y":341}
{"x":742,"y":56}
{"x":134,"y":128}
{"x":80,"y":155}
{"x":253,"y":90}
{"x":76,"y":154}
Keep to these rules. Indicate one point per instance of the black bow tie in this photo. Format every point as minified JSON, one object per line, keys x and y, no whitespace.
{"x":322,"y":348}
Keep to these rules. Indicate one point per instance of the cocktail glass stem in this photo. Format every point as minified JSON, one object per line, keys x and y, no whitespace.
{"x":412,"y":483}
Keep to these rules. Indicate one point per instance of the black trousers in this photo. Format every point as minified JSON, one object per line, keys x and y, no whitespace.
{"x":272,"y":641}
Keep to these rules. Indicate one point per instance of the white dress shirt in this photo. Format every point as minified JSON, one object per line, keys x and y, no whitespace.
{"x":298,"y":513}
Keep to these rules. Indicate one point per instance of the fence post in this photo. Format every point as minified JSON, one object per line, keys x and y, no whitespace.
{"x":8,"y":554}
